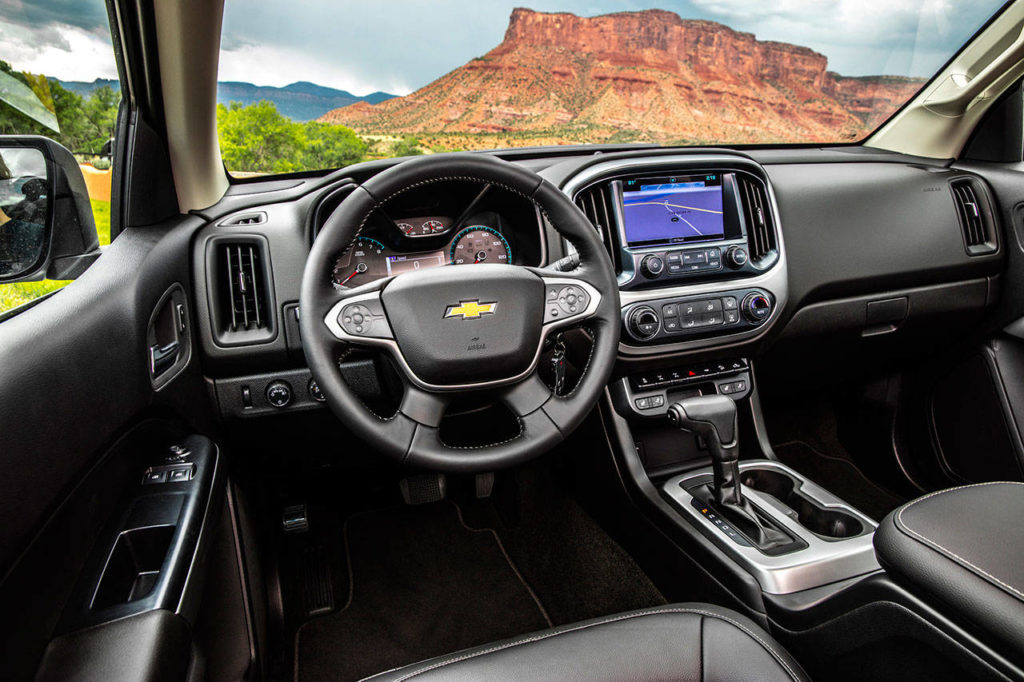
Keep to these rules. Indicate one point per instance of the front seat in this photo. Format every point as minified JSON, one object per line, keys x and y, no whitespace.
{"x":681,"y":642}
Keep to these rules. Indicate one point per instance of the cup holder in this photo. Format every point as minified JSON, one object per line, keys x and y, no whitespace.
{"x":830,"y":523}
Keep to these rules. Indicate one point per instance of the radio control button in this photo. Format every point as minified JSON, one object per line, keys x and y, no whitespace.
{"x":669,"y":310}
{"x":652,"y":266}
{"x":674,"y":258}
{"x":736,"y":257}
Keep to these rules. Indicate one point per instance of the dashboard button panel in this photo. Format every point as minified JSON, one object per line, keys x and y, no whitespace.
{"x":665,"y":320}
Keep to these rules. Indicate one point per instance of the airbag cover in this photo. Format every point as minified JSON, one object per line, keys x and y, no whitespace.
{"x":466,"y":324}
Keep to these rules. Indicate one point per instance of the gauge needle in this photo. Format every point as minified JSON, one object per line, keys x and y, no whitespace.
{"x":354,"y":273}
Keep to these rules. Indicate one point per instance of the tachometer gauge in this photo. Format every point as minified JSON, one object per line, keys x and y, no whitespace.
{"x":480,"y":244}
{"x":365,"y":261}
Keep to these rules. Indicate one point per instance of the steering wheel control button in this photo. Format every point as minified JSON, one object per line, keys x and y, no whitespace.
{"x":365,"y":319}
{"x":314,"y":391}
{"x":279,"y":394}
{"x":564,"y":301}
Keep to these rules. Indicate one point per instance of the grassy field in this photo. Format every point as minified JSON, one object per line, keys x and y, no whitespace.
{"x":14,"y":295}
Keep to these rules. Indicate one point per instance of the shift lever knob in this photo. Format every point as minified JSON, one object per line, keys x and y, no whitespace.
{"x":714,"y":418}
{"x":710,"y":416}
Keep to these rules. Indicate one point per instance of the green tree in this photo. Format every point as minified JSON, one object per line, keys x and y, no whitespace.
{"x":85,"y":125}
{"x":330,"y":146}
{"x":407,"y":146}
{"x":258,"y":139}
{"x":99,"y":116}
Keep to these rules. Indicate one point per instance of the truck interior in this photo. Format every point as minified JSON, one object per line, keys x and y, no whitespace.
{"x":630,"y":409}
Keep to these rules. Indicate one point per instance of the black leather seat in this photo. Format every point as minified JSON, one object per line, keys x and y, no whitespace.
{"x":677,"y":642}
{"x":961,"y":550}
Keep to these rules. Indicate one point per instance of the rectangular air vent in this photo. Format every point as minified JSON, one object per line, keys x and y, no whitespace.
{"x":596,"y":204}
{"x":758,"y":218}
{"x":244,"y":278}
{"x":974,"y":214}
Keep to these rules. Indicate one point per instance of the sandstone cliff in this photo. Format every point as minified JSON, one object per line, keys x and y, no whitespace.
{"x":639,"y":76}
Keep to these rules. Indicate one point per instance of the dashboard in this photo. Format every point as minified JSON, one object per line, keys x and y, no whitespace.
{"x":721,"y":257}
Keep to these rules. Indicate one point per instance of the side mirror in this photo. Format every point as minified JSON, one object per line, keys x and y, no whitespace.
{"x":46,"y":226}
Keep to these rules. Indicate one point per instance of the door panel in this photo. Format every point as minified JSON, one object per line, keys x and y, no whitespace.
{"x":75,"y":391}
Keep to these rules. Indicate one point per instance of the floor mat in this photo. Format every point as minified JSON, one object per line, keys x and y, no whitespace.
{"x":422,"y":584}
{"x":840,"y":476}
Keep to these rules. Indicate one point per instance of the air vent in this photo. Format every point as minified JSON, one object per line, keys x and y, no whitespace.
{"x":254,"y":218}
{"x":244,"y":277}
{"x":758,"y":218}
{"x":975,"y":216}
{"x":596,"y":204}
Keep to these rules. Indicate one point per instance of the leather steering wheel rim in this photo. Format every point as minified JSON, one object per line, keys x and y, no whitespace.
{"x":411,"y":435}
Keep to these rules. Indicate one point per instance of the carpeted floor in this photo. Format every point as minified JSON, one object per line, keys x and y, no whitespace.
{"x":422,"y":584}
{"x":426,"y":581}
{"x":839,"y":475}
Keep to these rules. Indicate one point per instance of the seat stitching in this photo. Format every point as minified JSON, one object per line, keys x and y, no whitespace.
{"x":536,"y":638}
{"x":902,"y":525}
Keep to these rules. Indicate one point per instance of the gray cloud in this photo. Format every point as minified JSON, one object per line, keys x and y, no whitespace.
{"x":90,"y":15}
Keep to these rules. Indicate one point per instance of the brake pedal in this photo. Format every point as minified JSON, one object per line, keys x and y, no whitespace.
{"x":424,"y":488}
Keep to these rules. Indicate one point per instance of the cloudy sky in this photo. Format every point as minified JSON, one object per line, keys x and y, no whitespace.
{"x":400,"y":45}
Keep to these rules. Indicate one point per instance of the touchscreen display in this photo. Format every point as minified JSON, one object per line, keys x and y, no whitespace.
{"x":672,"y":210}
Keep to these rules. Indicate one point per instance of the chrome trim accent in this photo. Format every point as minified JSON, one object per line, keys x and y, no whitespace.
{"x":775,"y":280}
{"x":331,"y":321}
{"x":821,"y":563}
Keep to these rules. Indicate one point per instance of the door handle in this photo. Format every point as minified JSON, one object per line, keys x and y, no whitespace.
{"x":162,"y":358}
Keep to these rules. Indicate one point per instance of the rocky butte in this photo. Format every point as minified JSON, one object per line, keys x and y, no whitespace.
{"x":639,"y":76}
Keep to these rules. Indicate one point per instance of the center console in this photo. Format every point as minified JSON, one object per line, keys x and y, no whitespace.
{"x":696,"y":244}
{"x":786,"y":532}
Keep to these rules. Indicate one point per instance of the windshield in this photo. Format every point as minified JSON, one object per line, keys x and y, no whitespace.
{"x":312,"y":84}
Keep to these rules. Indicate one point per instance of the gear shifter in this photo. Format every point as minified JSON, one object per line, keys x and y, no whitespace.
{"x":713,"y":417}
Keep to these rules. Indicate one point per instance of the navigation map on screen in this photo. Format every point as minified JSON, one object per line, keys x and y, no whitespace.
{"x":677,"y":210}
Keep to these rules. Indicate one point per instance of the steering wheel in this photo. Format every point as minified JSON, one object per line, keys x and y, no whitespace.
{"x":457,"y":330}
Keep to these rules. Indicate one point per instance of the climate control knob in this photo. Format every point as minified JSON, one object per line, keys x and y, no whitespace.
{"x":736,"y":257}
{"x":652,"y":266}
{"x":756,"y":308}
{"x":643,"y":323}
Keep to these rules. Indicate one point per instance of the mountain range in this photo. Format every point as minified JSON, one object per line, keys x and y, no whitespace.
{"x":301,"y":101}
{"x":637,"y":76}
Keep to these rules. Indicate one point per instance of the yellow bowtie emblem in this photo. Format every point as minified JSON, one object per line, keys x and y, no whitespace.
{"x":471,"y":310}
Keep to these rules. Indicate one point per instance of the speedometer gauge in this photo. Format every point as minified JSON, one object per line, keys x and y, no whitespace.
{"x":480,"y":244}
{"x":365,"y":261}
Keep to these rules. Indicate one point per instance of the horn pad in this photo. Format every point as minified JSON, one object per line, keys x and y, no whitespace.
{"x":466,"y":324}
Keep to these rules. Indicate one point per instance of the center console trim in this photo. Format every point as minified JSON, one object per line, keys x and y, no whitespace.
{"x":821,"y":563}
{"x":775,"y":279}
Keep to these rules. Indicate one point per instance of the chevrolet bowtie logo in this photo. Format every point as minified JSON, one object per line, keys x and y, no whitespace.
{"x":471,"y":310}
